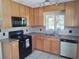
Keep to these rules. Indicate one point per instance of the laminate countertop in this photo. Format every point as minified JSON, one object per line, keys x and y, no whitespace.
{"x":55,"y":35}
{"x":8,"y":40}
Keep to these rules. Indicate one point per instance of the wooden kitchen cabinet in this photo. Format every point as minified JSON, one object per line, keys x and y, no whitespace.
{"x":22,"y":11}
{"x":33,"y":42}
{"x":39,"y":43}
{"x":1,"y":53}
{"x":15,"y":49}
{"x":7,"y":51}
{"x":70,"y":14}
{"x":15,"y":9}
{"x":77,"y":12}
{"x":6,"y":13}
{"x":11,"y":50}
{"x":47,"y":45}
{"x":31,"y":17}
{"x":55,"y":46}
{"x":36,"y":16}
{"x":27,"y":15}
{"x":41,"y":16}
{"x":78,"y":51}
{"x":0,"y":8}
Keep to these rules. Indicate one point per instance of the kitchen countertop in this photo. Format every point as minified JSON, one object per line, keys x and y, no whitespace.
{"x":57,"y":36}
{"x":8,"y":40}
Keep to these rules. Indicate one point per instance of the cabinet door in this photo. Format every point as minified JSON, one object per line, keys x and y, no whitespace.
{"x":1,"y":54}
{"x":36,"y":16}
{"x":70,"y":16}
{"x":78,"y":52}
{"x":6,"y":5}
{"x":22,"y":11}
{"x":41,"y":19}
{"x":27,"y":15}
{"x":7,"y":51}
{"x":0,"y":8}
{"x":15,"y":9}
{"x":15,"y":50}
{"x":77,"y":13}
{"x":39,"y":43}
{"x":31,"y":17}
{"x":47,"y":45}
{"x":33,"y":42}
{"x":55,"y":46}
{"x":38,"y":13}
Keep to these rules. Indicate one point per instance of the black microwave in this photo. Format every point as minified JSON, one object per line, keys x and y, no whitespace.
{"x":18,"y":22}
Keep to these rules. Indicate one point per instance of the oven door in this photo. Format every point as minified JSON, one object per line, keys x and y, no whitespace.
{"x":22,"y":49}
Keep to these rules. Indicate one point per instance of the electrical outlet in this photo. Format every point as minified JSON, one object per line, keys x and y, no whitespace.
{"x":0,"y":30}
{"x":3,"y":34}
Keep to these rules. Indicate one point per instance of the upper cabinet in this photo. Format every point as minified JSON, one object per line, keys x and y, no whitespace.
{"x":0,"y":8}
{"x":31,"y":17}
{"x":27,"y":12}
{"x":36,"y":16}
{"x":1,"y":14}
{"x":71,"y":14}
{"x":22,"y":11}
{"x":77,"y":12}
{"x":41,"y":17}
{"x":38,"y":13}
{"x":6,"y":13}
{"x":10,"y":8}
{"x":15,"y":9}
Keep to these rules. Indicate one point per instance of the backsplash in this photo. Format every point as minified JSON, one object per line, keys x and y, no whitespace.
{"x":4,"y":32}
{"x":38,"y":29}
{"x":42,"y":30}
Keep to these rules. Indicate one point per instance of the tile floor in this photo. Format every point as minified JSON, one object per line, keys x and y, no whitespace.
{"x":42,"y":55}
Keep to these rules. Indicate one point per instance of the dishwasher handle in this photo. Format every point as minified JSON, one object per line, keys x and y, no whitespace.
{"x":70,"y":41}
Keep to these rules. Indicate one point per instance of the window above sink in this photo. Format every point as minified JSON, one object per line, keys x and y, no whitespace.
{"x":54,"y":20}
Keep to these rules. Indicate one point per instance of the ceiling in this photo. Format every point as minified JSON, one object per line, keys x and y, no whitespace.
{"x":40,"y":3}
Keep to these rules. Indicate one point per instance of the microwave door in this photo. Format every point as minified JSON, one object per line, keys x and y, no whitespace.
{"x":18,"y":22}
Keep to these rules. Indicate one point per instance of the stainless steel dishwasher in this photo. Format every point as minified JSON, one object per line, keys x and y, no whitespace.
{"x":68,"y":48}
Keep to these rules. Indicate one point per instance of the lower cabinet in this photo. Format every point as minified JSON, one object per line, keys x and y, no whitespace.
{"x":10,"y":50}
{"x":48,"y":44}
{"x":78,"y":52}
{"x":55,"y":48}
{"x":1,"y":54}
{"x":33,"y":42}
{"x":39,"y":43}
{"x":15,"y":50}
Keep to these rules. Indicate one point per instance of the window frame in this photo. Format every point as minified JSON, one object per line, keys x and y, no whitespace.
{"x":55,"y":13}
